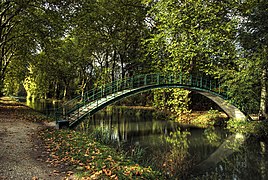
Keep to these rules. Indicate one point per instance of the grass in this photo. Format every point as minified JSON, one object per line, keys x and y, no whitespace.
{"x":258,"y":129}
{"x":90,"y":159}
{"x":205,"y":119}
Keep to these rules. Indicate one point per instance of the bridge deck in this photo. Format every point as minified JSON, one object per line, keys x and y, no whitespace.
{"x":88,"y":108}
{"x":92,"y":101}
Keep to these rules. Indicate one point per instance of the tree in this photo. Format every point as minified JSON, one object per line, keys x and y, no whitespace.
{"x":254,"y":40}
{"x":9,"y":33}
{"x":76,"y":44}
{"x":112,"y":30}
{"x":195,"y":36}
{"x":25,"y":28}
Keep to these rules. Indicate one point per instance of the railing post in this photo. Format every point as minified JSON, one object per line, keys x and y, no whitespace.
{"x":191,"y":80}
{"x":210,"y":85}
{"x":145,"y":80}
{"x":65,"y":113}
{"x":78,"y":109}
{"x":201,"y":81}
{"x":117,"y":86}
{"x":84,"y":99}
{"x":181,"y":78}
{"x":157,"y":79}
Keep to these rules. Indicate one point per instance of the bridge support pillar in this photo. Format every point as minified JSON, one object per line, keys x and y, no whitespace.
{"x":62,"y":124}
{"x":229,"y":109}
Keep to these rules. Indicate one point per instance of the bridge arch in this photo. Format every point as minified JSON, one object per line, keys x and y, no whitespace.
{"x":74,"y":111}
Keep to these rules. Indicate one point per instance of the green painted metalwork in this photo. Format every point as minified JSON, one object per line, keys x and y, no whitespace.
{"x":92,"y":101}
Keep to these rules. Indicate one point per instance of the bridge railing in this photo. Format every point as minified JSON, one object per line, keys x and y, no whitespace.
{"x":95,"y":95}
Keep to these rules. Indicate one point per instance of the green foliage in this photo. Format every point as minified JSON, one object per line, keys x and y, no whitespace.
{"x":211,"y":118}
{"x":115,"y":30}
{"x":212,"y":137}
{"x":190,"y":37}
{"x":254,"y":26}
{"x":254,"y":128}
{"x":26,"y":26}
{"x":36,"y":83}
{"x":60,"y":49}
{"x":193,"y":35}
{"x":175,"y":101}
{"x":253,"y":39}
{"x":244,"y":78}
{"x":73,"y":46}
{"x":243,"y":85}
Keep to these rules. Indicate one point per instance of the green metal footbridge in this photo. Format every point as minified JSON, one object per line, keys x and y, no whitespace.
{"x":74,"y":111}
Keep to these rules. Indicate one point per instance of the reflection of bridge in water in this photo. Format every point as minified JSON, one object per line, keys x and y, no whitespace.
{"x":74,"y":111}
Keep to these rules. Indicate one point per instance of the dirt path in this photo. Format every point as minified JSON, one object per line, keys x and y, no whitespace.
{"x":21,"y":156}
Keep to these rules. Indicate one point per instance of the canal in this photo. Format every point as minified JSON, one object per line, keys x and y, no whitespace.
{"x":175,"y":149}
{"x":152,"y":139}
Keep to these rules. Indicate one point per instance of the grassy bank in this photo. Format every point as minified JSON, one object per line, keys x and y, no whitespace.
{"x":258,"y":129}
{"x":84,"y":157}
{"x":21,"y":112}
{"x":204,"y":119}
{"x":90,"y":159}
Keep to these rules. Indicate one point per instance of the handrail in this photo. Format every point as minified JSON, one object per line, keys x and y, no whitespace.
{"x":96,"y":96}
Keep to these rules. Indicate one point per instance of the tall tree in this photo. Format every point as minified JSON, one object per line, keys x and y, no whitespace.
{"x":197,"y":35}
{"x":254,"y":40}
{"x":9,"y":37}
{"x":25,"y":27}
{"x":112,"y":30}
{"x":193,"y":36}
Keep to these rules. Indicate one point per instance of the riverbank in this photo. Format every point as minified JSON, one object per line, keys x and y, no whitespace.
{"x":22,"y":154}
{"x":90,"y":159}
{"x":30,"y":149}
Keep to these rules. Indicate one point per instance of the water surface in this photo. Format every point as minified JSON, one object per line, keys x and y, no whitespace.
{"x":148,"y":130}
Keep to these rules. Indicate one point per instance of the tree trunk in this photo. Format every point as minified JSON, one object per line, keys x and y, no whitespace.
{"x":1,"y":88}
{"x":55,"y":86}
{"x":263,"y":101}
{"x":65,"y":92}
{"x":84,"y":85}
{"x":113,"y":67}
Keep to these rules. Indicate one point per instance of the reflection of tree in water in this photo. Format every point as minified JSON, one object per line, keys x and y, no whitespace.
{"x":149,"y":141}
{"x":250,"y":162}
{"x":175,"y":162}
{"x":212,"y":137}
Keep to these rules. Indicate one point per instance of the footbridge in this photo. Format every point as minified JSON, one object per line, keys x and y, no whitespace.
{"x":74,"y":111}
